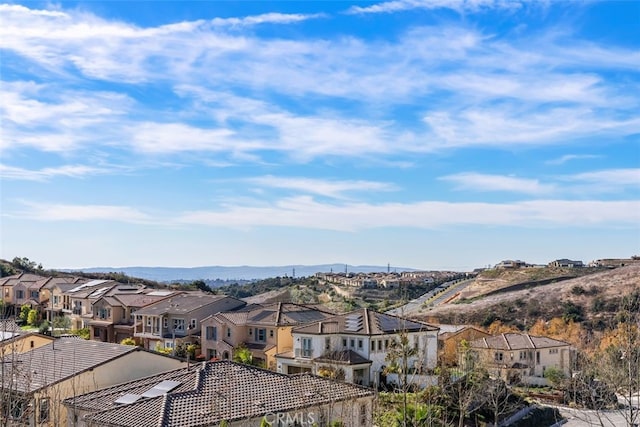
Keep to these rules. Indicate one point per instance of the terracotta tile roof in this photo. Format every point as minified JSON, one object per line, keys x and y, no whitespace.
{"x":514,"y":341}
{"x":229,"y":391}
{"x":364,"y":322}
{"x":62,"y":359}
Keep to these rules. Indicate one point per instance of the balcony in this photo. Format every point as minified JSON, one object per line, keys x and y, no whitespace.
{"x":304,"y":353}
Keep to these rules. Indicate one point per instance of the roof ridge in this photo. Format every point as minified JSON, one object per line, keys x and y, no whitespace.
{"x":366,"y":321}
{"x":530,"y":340}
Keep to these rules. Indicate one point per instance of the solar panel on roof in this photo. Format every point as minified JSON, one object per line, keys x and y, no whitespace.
{"x":353,"y":322}
{"x":161,"y":388}
{"x":128,"y":399}
{"x":160,"y":293}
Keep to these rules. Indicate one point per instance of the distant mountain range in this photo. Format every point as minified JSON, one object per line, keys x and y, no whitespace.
{"x":169,"y":274}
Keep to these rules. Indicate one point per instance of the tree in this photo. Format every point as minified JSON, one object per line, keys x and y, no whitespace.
{"x":610,"y":376}
{"x":242,"y":354}
{"x":6,"y":270}
{"x":24,"y":312}
{"x":32,"y":317}
{"x":61,"y":324}
{"x":399,"y":356}
{"x":128,"y":341}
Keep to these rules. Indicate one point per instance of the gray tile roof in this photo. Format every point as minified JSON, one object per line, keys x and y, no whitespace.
{"x":183,"y":303}
{"x":364,"y":322}
{"x":229,"y":391}
{"x":62,"y":359}
{"x":514,"y":341}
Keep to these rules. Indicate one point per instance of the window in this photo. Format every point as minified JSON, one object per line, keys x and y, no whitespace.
{"x":360,"y":344}
{"x":373,"y":345}
{"x":165,"y":322}
{"x":307,"y":351}
{"x":553,"y":351}
{"x":168,"y":344}
{"x":537,"y":357}
{"x":327,"y":343}
{"x":104,"y":313}
{"x":352,"y":343}
{"x":498,"y":357}
{"x":193,"y":323}
{"x":261,"y":334}
{"x":416,"y":343}
{"x":19,"y":294}
{"x":148,"y":321}
{"x":212,"y":353}
{"x":212,"y":333}
{"x":228,"y":332}
{"x":363,"y":415}
{"x":386,"y":344}
{"x":250,"y":331}
{"x":178,"y":325}
{"x":344,"y":342}
{"x":56,"y":300}
{"x":43,"y":410}
{"x":96,"y":333}
{"x":379,"y":345}
{"x":31,"y":344}
{"x":523,"y":355}
{"x":270,"y":333}
{"x":34,"y":294}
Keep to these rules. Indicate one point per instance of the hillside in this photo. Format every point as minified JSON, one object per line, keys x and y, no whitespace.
{"x":592,"y":298}
{"x":233,"y":273}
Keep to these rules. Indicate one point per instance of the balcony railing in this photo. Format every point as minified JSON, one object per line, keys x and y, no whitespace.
{"x":305,"y":353}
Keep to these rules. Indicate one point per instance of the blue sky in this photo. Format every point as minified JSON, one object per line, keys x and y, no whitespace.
{"x":434,"y":134}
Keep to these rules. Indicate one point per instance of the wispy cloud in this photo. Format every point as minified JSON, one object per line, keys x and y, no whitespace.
{"x":44,"y":174}
{"x":337,"y":189}
{"x":70,"y":212}
{"x":304,"y":212}
{"x":266,"y":18}
{"x":492,"y":91}
{"x":457,"y":5}
{"x":569,"y":157}
{"x":610,"y":177}
{"x":483,"y":182}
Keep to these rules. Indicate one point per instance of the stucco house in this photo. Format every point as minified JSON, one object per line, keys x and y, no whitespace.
{"x":34,"y":383}
{"x":354,"y":346}
{"x":113,"y":315}
{"x":225,"y":393}
{"x":176,"y":320}
{"x":521,"y":358}
{"x":451,"y":337}
{"x":263,"y":329}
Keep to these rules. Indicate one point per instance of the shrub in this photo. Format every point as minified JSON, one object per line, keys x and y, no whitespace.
{"x":32,"y":318}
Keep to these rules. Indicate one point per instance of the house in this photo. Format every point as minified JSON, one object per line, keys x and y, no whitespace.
{"x":34,"y":383}
{"x":522,"y":358}
{"x":451,"y":337}
{"x":53,"y":292}
{"x":114,"y":313}
{"x":511,"y":264}
{"x":77,"y":301}
{"x":17,"y":291}
{"x":263,"y":329}
{"x":566,"y":263}
{"x":176,"y":320}
{"x":225,"y":393}
{"x":17,"y":342}
{"x":356,"y":346}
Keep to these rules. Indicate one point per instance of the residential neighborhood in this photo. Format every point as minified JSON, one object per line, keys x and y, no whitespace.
{"x":178,"y":356}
